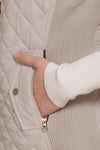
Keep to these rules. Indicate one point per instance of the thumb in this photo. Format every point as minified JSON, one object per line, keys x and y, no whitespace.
{"x":26,"y":58}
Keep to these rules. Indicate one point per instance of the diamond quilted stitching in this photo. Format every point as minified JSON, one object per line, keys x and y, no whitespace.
{"x":29,"y":16}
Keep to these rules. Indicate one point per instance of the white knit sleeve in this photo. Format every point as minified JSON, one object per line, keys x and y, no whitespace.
{"x":66,"y":81}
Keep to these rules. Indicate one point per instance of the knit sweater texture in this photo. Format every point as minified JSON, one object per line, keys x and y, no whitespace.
{"x":72,"y":78}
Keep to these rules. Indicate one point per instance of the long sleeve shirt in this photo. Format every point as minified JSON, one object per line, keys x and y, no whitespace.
{"x":74,"y":50}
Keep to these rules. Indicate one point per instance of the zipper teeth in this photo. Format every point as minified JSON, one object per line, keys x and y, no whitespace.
{"x":44,"y":124}
{"x":42,"y":120}
{"x":44,"y":53}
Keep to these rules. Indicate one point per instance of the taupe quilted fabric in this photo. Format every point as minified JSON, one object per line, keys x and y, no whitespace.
{"x":24,"y":26}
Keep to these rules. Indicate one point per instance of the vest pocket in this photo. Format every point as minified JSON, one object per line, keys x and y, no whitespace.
{"x":22,"y":96}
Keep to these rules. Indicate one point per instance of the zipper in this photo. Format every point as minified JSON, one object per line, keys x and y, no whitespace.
{"x":43,"y":120}
{"x":44,"y":124}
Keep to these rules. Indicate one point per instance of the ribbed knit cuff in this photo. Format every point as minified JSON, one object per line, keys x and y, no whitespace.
{"x":53,"y":89}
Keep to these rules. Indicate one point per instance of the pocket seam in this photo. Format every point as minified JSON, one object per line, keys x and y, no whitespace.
{"x":15,"y":107}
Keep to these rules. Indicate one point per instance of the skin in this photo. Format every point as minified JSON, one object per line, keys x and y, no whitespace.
{"x":45,"y":105}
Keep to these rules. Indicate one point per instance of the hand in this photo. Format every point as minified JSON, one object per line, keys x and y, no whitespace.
{"x":45,"y":105}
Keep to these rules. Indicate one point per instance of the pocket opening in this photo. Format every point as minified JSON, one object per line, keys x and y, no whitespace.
{"x":24,"y":103}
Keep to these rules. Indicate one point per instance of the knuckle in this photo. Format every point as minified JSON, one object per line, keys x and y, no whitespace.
{"x":23,"y":57}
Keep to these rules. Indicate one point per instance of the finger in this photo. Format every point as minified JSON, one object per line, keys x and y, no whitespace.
{"x":26,"y":58}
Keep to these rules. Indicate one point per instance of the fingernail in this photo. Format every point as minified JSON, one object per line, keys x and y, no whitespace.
{"x":18,"y":55}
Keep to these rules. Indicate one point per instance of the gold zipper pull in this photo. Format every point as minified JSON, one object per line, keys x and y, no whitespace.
{"x":44,"y":124}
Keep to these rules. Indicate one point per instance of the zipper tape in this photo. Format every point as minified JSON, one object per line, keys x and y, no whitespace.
{"x":44,"y":119}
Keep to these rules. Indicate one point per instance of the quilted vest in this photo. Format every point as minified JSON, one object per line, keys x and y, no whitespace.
{"x":25,"y":26}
